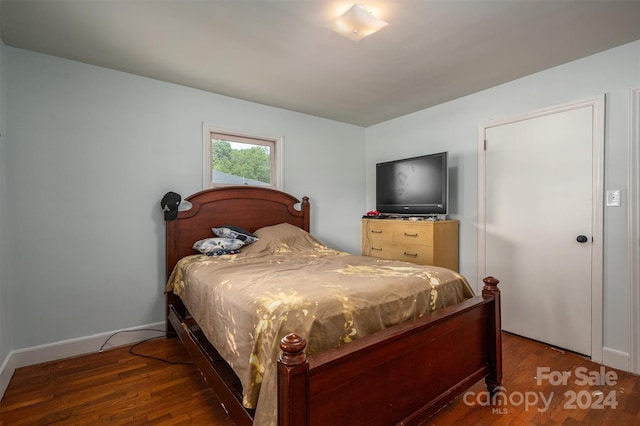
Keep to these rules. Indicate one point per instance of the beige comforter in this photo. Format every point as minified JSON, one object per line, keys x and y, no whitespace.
{"x":289,"y":282}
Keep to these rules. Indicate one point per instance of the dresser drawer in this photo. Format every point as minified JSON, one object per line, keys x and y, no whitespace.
{"x":414,"y":253}
{"x":381,"y":249}
{"x":378,"y":230}
{"x":414,"y":233}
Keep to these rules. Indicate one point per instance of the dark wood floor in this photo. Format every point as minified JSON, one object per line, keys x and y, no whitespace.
{"x":115,"y":387}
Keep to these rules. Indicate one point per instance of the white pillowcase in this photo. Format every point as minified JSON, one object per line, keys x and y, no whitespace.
{"x":212,"y":246}
{"x":230,"y":231}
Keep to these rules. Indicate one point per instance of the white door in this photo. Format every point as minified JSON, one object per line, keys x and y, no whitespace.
{"x":539,"y":224}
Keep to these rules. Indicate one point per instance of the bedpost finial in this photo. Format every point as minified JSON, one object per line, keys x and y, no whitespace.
{"x":490,"y":286}
{"x":306,"y":211}
{"x":293,"y":347}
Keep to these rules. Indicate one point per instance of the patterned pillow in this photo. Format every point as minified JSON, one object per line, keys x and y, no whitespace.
{"x":214,"y":246}
{"x":230,"y":231}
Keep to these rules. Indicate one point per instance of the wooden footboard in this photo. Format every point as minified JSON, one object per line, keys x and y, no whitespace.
{"x":401,"y":375}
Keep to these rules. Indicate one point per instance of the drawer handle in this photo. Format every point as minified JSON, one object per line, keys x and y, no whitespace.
{"x":411,"y":254}
{"x":410,"y":235}
{"x":376,"y":249}
{"x":376,"y":232}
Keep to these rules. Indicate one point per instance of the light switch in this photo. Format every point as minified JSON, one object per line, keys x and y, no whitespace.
{"x":613,"y":198}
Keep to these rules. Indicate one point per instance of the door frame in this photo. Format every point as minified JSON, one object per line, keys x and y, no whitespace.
{"x":598,"y":105}
{"x":634,"y":232}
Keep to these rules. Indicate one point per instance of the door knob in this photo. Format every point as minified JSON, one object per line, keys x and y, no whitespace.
{"x":582,"y":239}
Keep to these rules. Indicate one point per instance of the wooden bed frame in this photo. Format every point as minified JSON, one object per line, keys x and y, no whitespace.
{"x":399,"y":376}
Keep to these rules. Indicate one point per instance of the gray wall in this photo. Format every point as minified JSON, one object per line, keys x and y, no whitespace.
{"x":453,"y":127}
{"x":91,"y":152}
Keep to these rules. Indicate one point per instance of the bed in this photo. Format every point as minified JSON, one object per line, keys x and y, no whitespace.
{"x":402,"y":372}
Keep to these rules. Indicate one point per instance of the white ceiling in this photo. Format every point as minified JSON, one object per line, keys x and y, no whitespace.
{"x":280,"y":53}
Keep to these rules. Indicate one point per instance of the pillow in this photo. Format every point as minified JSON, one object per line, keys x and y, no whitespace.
{"x":282,"y":231}
{"x":284,"y":235}
{"x":230,"y":231}
{"x":212,"y":246}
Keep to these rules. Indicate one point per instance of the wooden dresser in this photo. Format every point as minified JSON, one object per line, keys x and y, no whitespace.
{"x":425,"y":242}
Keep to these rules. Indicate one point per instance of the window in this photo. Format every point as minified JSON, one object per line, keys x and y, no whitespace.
{"x":235,"y":159}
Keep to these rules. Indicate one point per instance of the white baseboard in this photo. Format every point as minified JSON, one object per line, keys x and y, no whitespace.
{"x":73,"y":347}
{"x":616,"y":359}
{"x":6,"y":372}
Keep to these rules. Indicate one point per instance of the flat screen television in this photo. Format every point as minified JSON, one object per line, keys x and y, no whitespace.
{"x":417,"y":186}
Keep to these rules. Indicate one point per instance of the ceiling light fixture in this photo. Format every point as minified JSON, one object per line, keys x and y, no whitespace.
{"x":357,"y":23}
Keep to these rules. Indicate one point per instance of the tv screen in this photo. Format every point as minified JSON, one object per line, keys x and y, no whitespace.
{"x":413,"y":186}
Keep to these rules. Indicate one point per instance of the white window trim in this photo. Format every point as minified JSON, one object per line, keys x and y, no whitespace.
{"x":207,"y":129}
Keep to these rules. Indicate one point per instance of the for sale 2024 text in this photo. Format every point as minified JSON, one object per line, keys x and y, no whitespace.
{"x":592,"y":399}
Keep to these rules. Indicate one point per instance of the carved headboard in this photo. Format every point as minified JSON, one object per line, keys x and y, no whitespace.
{"x":248,"y":207}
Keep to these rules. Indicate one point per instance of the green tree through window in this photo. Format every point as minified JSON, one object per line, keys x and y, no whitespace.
{"x":243,"y":160}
